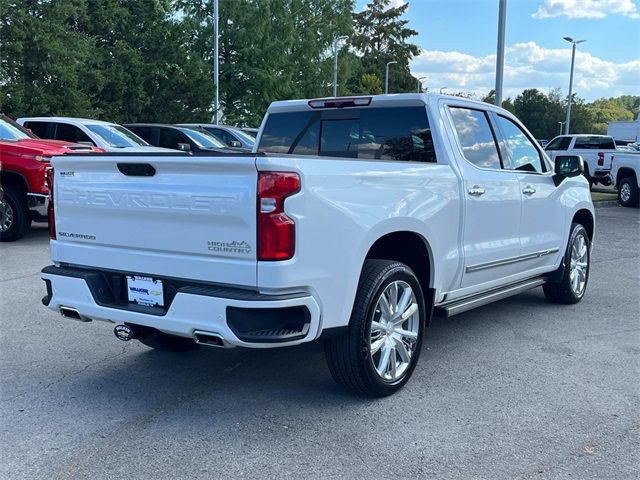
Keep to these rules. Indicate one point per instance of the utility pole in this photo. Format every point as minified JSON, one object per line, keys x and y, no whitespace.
{"x":570,"y":99}
{"x":386,"y":77}
{"x":216,"y":70}
{"x":335,"y":63}
{"x":420,"y":83}
{"x":502,"y":20}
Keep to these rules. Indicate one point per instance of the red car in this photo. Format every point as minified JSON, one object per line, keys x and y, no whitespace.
{"x":24,"y":159}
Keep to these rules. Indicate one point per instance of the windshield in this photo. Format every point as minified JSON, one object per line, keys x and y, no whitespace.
{"x":117,"y":136}
{"x":10,"y":130}
{"x":203,"y":139}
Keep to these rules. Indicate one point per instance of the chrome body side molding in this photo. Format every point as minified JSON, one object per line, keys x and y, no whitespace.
{"x":510,"y":260}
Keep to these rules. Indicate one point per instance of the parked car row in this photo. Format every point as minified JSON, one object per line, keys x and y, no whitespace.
{"x":27,"y":145}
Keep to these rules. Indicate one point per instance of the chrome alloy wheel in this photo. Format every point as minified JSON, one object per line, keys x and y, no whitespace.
{"x":579,"y":267}
{"x":6,"y":216}
{"x":625,"y":192}
{"x":394,"y":331}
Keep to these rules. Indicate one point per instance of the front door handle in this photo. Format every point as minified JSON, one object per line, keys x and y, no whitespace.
{"x":476,"y":191}
{"x":529,"y":190}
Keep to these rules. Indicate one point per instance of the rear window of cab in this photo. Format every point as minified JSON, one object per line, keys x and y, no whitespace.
{"x":372,"y":133}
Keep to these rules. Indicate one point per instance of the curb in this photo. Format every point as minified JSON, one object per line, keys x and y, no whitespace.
{"x":605,"y":204}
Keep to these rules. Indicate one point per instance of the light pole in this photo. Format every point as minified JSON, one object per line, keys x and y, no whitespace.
{"x":561,"y":123}
{"x":335,"y":63}
{"x":442,"y":89}
{"x":386,"y":77}
{"x":502,"y":19}
{"x":420,"y":82}
{"x":216,"y":102}
{"x":573,"y":60}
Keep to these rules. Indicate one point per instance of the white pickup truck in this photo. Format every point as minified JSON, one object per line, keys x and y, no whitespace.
{"x":625,"y":176}
{"x":355,"y":220}
{"x":597,"y":151}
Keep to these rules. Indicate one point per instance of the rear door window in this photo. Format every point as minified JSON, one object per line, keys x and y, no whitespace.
{"x":559,"y":143}
{"x":375,"y":133}
{"x":476,"y":137}
{"x":39,"y":129}
{"x":522,"y":152}
{"x":71,"y":133}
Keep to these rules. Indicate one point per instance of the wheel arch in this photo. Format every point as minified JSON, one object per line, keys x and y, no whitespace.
{"x":585,"y":218}
{"x":623,"y":173}
{"x":413,"y":250}
{"x":7,"y":177}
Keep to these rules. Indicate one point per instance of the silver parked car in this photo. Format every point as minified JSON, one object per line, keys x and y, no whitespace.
{"x":231,"y":136}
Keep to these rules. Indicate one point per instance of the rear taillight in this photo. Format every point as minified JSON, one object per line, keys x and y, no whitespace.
{"x":600,"y":159}
{"x":51,"y":214}
{"x":276,"y":231}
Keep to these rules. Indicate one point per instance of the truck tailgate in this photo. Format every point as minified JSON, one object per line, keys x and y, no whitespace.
{"x":188,"y":217}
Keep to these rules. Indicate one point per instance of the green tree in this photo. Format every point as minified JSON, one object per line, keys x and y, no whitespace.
{"x":382,"y":35}
{"x":371,"y":84}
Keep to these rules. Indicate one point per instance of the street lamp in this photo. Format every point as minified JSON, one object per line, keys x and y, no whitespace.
{"x":561,"y":123}
{"x":335,"y":63}
{"x":420,"y":80}
{"x":216,"y":69}
{"x":573,"y":60}
{"x":442,"y":89}
{"x":386,"y":77}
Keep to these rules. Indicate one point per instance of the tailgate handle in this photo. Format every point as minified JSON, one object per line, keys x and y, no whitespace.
{"x":137,"y":169}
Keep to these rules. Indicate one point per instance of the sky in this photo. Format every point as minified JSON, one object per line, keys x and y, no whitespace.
{"x":458,"y":40}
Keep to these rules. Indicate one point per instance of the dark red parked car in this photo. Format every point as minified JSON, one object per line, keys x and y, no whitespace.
{"x":24,"y":159}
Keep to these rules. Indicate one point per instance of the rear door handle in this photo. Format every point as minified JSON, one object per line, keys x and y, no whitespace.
{"x":476,"y":191}
{"x":529,"y":190}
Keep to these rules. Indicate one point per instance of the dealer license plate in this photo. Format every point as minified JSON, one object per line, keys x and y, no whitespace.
{"x":145,"y":291}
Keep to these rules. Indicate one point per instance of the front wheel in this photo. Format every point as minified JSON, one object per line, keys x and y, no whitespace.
{"x":577,"y":261}
{"x":628,"y":192}
{"x":15,"y":219}
{"x":380,"y":349}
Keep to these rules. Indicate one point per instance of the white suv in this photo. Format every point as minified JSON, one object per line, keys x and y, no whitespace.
{"x":356,"y":220}
{"x":106,"y":135}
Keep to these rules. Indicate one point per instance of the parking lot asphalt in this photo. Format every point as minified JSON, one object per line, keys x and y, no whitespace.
{"x":518,"y":389}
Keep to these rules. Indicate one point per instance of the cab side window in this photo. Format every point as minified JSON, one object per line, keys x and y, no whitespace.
{"x":39,"y":129}
{"x":170,"y":138}
{"x":476,"y":137}
{"x":524,"y":155}
{"x":71,"y":133}
{"x":559,"y":143}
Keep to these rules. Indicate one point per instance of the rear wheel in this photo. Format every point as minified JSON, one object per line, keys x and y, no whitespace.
{"x":171,"y":343}
{"x":577,"y":261}
{"x":15,"y":219}
{"x":628,"y":192}
{"x":380,"y":349}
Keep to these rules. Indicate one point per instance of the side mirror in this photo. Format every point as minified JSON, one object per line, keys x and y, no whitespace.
{"x":235,"y":144}
{"x":567,"y":166}
{"x":185,"y":147}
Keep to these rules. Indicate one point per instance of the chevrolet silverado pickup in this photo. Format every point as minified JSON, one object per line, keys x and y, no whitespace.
{"x":625,"y":176}
{"x":354,"y":221}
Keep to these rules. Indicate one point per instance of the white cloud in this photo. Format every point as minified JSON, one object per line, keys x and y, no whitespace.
{"x":396,"y":3}
{"x":586,"y":8}
{"x":528,"y":65}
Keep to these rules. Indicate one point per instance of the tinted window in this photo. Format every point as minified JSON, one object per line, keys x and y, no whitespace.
{"x":399,"y":133}
{"x":71,"y":133}
{"x":38,"y":128}
{"x":595,"y":143}
{"x":144,"y":133}
{"x":476,"y":138}
{"x":559,"y":143}
{"x":522,"y":152}
{"x":222,"y":135}
{"x":170,"y":138}
{"x":115,"y":135}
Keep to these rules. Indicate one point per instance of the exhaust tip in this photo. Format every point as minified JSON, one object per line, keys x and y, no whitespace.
{"x":73,"y":314}
{"x":210,"y":339}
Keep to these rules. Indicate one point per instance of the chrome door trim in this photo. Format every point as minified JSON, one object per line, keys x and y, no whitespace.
{"x":510,"y":260}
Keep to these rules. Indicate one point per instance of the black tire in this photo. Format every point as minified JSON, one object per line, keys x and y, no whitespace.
{"x":562,"y":291}
{"x":170,"y":343}
{"x":348,"y":354}
{"x":630,"y":196}
{"x":588,"y":176}
{"x":15,"y":203}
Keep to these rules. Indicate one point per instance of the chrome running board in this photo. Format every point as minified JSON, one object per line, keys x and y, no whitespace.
{"x":454,"y":307}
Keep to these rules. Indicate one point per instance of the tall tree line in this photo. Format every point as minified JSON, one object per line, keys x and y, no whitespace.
{"x":151,"y":60}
